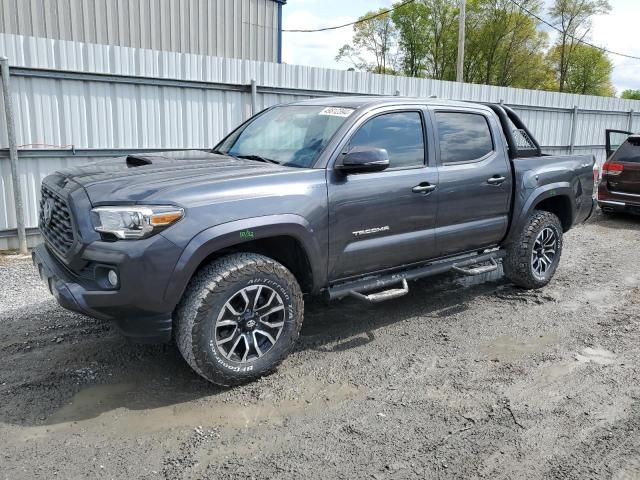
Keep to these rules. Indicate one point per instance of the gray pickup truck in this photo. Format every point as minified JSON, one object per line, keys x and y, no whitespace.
{"x":339,"y":197}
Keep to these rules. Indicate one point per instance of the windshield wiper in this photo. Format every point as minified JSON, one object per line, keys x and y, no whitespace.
{"x":258,"y":158}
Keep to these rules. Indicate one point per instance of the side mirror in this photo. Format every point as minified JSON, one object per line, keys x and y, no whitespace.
{"x":363,"y":160}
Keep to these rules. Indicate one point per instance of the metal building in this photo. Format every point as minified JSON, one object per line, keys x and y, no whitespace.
{"x":246,"y":29}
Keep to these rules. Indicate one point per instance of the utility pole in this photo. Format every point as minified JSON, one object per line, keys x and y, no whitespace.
{"x":460,"y":65}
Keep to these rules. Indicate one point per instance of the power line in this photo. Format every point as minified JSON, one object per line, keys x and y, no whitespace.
{"x":542,"y":20}
{"x":524,"y":9}
{"x":362,"y":20}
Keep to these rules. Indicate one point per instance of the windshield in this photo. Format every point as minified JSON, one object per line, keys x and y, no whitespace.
{"x":292,"y":135}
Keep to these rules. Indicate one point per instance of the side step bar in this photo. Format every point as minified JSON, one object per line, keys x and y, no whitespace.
{"x":358,"y":288}
{"x":384,"y":295}
{"x":493,"y":266}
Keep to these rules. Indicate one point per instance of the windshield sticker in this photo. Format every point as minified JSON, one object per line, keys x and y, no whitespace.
{"x":337,"y":111}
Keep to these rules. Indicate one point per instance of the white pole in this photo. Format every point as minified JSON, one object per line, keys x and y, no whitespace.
{"x":460,"y":65}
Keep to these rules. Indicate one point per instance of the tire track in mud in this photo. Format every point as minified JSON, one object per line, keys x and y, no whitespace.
{"x":462,"y":378}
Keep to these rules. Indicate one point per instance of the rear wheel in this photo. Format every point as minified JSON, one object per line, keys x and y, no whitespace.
{"x":533,"y":258}
{"x":239,"y":318}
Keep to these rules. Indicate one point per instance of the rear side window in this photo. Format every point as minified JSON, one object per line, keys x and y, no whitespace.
{"x":463,"y":137}
{"x":628,"y":152}
{"x":400,"y":133}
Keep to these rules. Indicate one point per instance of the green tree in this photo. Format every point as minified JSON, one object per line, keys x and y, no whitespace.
{"x":631,"y":94}
{"x":373,"y":45}
{"x":573,"y":18}
{"x":427,"y":37}
{"x":412,"y":23}
{"x":442,"y":47}
{"x":588,"y":70}
{"x":504,"y":46}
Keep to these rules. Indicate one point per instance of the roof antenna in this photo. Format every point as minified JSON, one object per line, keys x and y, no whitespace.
{"x":433,"y":96}
{"x":397,"y":94}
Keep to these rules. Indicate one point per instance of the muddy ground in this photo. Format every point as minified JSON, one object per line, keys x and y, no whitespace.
{"x":459,"y":379}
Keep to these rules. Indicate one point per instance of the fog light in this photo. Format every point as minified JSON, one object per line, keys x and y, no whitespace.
{"x":112,"y":276}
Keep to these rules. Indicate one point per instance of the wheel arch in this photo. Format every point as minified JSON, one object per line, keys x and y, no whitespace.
{"x":288,"y":239}
{"x":561,"y":207}
{"x":556,"y":198}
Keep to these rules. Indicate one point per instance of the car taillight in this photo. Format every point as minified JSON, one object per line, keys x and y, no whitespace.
{"x":611,"y":168}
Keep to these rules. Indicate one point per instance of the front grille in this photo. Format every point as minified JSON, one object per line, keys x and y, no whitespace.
{"x":55,"y":221}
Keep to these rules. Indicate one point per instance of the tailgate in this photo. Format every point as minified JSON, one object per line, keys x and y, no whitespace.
{"x":622,"y":170}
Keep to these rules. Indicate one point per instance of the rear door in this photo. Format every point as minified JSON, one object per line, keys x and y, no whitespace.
{"x":474,"y":186}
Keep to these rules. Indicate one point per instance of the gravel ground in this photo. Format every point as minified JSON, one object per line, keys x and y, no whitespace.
{"x":459,"y":379}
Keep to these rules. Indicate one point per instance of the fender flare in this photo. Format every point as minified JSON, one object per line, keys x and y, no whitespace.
{"x":238,"y":232}
{"x":544,"y":192}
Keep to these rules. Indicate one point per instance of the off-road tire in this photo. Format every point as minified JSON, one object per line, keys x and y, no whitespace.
{"x":208,"y":291}
{"x":518,"y":262}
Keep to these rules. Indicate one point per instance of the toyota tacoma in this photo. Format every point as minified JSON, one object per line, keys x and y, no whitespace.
{"x":351,"y":196}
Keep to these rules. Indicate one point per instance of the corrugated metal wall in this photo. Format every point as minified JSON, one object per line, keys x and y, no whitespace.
{"x":245,"y":29}
{"x":156,"y":99}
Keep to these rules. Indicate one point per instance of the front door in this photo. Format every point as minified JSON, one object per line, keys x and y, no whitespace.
{"x":474,"y":186}
{"x":384,"y":219}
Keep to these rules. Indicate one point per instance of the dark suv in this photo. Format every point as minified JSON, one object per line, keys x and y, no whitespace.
{"x":619,"y":187}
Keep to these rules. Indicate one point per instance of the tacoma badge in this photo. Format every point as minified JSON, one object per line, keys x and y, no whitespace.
{"x":369,"y":231}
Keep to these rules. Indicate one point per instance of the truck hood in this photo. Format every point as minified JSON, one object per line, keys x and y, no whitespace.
{"x":150,"y":176}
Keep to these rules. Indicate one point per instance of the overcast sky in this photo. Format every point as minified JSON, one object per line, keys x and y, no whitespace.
{"x":617,"y":31}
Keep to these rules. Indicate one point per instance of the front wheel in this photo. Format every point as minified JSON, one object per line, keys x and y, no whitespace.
{"x":533,"y":258}
{"x":239,"y":318}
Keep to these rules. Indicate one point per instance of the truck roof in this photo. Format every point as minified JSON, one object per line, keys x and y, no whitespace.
{"x":363,"y":101}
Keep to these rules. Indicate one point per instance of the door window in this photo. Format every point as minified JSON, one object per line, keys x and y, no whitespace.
{"x":628,"y":152}
{"x":399,"y":133}
{"x":615,"y":138}
{"x":463,"y":137}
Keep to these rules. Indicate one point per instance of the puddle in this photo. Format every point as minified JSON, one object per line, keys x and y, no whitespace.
{"x":110,"y":407}
{"x":92,"y":401}
{"x":556,"y":381}
{"x":596,"y":355}
{"x":507,"y":348}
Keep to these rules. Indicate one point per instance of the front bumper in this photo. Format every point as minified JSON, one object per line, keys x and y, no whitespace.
{"x":135,"y":305}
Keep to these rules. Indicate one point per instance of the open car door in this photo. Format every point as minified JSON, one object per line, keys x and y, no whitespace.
{"x":615,"y":138}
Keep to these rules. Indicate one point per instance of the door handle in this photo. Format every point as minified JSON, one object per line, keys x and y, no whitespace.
{"x":424,"y":188}
{"x":496,"y":180}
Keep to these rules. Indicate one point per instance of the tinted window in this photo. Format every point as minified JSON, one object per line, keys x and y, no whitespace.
{"x":463,"y":136}
{"x":628,"y":152}
{"x":399,"y":133}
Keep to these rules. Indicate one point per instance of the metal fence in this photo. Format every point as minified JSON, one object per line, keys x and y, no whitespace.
{"x":84,"y":101}
{"x":227,"y":28}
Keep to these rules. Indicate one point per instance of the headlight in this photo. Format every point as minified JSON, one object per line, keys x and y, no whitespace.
{"x":136,"y":221}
